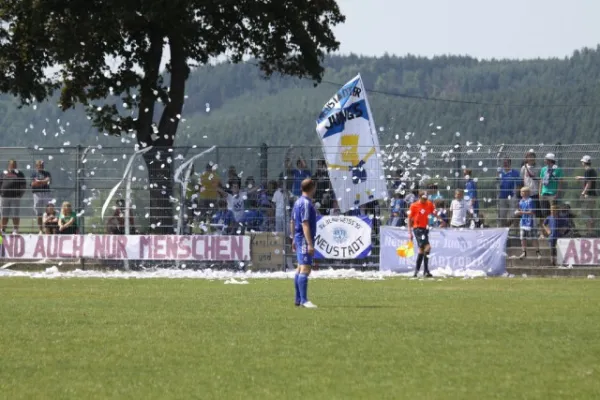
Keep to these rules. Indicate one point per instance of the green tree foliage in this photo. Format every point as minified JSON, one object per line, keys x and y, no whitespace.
{"x":108,"y":54}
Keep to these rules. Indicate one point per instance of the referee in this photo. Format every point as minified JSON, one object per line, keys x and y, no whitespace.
{"x":418,"y":222}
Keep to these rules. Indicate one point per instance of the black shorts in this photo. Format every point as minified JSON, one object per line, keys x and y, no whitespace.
{"x":422,"y":236}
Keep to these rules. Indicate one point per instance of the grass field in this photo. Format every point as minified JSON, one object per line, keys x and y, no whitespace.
{"x":392,"y":339}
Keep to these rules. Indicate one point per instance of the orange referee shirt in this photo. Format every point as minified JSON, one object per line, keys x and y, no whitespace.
{"x":420,"y":212}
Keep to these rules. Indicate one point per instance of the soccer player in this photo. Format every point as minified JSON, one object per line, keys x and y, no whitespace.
{"x":303,"y":226}
{"x":418,"y":222}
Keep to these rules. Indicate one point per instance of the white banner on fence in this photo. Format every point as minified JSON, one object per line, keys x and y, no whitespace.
{"x":128,"y":247}
{"x":578,"y":251}
{"x":343,"y":238}
{"x":351,"y":146}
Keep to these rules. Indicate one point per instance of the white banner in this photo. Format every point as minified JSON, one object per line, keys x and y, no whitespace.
{"x":128,"y":247}
{"x":351,"y":147}
{"x":343,"y":238}
{"x":578,"y":251}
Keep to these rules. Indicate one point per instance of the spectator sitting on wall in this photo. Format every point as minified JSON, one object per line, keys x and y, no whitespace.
{"x":50,"y":220}
{"x":508,"y":178}
{"x":67,"y":220}
{"x":40,"y":187}
{"x":253,"y":218}
{"x":224,"y":218}
{"x":12,"y":188}
{"x":116,"y":223}
{"x":298,"y":174}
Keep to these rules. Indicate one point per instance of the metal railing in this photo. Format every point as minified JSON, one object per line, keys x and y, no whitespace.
{"x":85,"y":176}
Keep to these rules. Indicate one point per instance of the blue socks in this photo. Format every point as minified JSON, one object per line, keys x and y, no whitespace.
{"x":297,"y":288}
{"x":303,"y":287}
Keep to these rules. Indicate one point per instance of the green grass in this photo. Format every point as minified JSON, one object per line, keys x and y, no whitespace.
{"x":392,"y":339}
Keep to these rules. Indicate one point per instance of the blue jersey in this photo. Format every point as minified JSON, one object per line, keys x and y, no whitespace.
{"x":508,"y":183}
{"x":304,"y":211}
{"x":527,"y":205}
{"x":224,"y":217}
{"x":298,"y":175}
{"x":471,"y":193}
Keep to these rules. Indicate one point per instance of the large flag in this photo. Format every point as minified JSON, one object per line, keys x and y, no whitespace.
{"x":351,"y":147}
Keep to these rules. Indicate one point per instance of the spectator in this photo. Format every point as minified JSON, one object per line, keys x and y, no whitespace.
{"x":224,"y":218}
{"x":267,"y":206}
{"x":324,"y":191}
{"x":471,"y":196}
{"x":233,"y":178}
{"x":67,"y":220}
{"x":458,"y":210}
{"x":253,"y":218}
{"x":435,"y":193}
{"x":209,"y":190}
{"x":251,"y":189}
{"x":440,"y":206}
{"x":298,"y":174}
{"x":530,"y":175}
{"x":281,"y":200}
{"x":40,"y":187}
{"x":235,"y":202}
{"x":552,"y":179}
{"x":192,"y":188}
{"x":551,"y":228}
{"x":12,"y":188}
{"x":507,"y":198}
{"x":399,"y":179}
{"x":526,"y":211}
{"x":398,"y":211}
{"x":116,"y":223}
{"x":50,"y":220}
{"x":588,"y":194}
{"x":413,"y":195}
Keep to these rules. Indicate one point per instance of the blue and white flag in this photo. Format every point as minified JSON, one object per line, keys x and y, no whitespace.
{"x":351,"y":147}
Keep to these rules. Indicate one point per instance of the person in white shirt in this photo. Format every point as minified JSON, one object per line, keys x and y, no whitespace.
{"x":281,"y":199}
{"x":458,"y":210}
{"x":235,"y":202}
{"x":531,"y":179}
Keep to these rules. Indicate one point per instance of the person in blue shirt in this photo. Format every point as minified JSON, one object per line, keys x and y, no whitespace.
{"x":471,"y":195}
{"x":253,"y":218}
{"x":527,"y":213}
{"x":398,"y":211}
{"x":224,"y":218}
{"x":551,"y":226}
{"x":303,"y":226}
{"x":508,"y":180}
{"x":298,"y":175}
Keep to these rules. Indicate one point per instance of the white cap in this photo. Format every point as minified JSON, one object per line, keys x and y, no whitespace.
{"x":586,"y":159}
{"x":550,"y":156}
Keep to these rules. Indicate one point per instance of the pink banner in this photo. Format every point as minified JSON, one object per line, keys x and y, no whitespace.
{"x":578,"y":251}
{"x":128,"y":247}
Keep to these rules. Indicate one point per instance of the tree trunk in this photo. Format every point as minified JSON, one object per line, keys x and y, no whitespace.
{"x":160,"y":178}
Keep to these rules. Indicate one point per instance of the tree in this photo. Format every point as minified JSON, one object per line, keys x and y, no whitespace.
{"x":107,"y":56}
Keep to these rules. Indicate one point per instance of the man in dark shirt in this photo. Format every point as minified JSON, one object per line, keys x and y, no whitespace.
{"x":40,"y":187}
{"x":588,"y":194}
{"x":12,"y":188}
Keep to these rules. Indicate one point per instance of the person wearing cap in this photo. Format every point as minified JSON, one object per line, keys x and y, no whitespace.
{"x":418,"y":222}
{"x":588,"y":194}
{"x":530,"y":174}
{"x":552,"y":178}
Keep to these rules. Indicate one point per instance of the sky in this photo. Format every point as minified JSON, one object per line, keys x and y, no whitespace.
{"x":484,"y":29}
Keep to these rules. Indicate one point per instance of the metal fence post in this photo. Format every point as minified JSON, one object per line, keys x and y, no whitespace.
{"x":78,"y":191}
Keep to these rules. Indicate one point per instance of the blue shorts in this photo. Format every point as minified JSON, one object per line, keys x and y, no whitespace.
{"x":302,"y":255}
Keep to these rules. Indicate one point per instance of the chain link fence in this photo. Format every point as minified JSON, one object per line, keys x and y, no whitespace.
{"x":85,"y":176}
